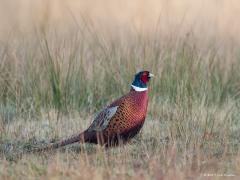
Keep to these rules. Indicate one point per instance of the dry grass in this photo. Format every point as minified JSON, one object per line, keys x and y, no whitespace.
{"x":67,"y":60}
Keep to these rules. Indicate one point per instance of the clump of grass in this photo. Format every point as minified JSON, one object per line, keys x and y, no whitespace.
{"x":77,"y":74}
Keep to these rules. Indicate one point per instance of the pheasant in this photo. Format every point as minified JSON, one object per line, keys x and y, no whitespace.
{"x":118,"y":122}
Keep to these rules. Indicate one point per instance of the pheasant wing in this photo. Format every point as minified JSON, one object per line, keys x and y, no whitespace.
{"x":103,"y":118}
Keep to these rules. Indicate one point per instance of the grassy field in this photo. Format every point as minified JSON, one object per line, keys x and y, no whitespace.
{"x":63,"y":63}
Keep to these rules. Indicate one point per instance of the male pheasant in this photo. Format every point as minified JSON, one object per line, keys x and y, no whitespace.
{"x":118,"y":122}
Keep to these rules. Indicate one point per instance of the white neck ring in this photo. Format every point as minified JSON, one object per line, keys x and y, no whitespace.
{"x":139,"y":89}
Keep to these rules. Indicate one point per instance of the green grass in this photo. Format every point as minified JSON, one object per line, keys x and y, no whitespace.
{"x":52,"y":84}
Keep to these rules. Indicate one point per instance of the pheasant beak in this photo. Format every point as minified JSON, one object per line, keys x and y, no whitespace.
{"x":150,"y":75}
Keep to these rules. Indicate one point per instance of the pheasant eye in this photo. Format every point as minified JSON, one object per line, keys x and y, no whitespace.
{"x":144,"y":78}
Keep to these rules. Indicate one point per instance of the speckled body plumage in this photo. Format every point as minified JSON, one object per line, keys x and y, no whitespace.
{"x":127,"y":121}
{"x":118,"y":122}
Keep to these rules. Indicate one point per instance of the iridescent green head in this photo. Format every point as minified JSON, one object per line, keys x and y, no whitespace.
{"x":141,"y":80}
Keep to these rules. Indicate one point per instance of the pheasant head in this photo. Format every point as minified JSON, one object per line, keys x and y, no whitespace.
{"x":140,"y":82}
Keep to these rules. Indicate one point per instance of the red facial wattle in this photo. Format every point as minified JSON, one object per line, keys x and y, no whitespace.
{"x":145,"y":78}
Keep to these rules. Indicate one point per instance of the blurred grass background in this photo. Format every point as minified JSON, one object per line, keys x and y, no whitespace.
{"x":62,"y":61}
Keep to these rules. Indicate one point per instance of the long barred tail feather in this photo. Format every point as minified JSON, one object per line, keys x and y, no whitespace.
{"x":70,"y":140}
